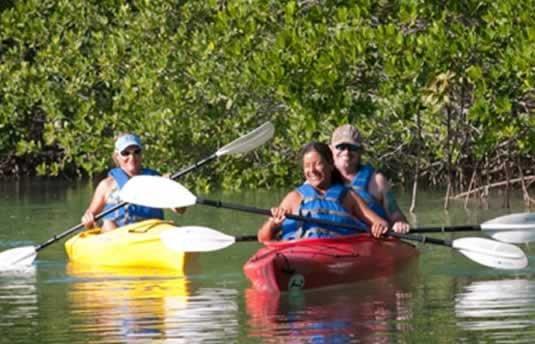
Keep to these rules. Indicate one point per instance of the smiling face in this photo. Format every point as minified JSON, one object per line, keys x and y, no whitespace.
{"x":130,"y":160}
{"x":346,"y":158}
{"x":317,"y":170}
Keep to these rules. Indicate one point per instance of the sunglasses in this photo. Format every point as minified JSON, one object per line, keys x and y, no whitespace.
{"x":126,"y":153}
{"x":348,"y":146}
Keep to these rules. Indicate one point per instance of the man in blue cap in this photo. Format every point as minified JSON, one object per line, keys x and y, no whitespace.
{"x":128,"y":158}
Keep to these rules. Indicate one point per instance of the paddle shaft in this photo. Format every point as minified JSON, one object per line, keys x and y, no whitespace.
{"x":243,"y":238}
{"x":412,"y":237}
{"x":448,"y":229}
{"x":77,"y":227}
{"x":422,"y":238}
{"x":194,"y":166}
{"x":120,"y":205}
{"x":266,"y":212}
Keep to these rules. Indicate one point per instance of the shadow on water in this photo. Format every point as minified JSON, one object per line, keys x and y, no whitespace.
{"x":374,"y":311}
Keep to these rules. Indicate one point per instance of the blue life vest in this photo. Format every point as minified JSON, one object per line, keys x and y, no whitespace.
{"x":326,"y":207}
{"x":360,"y":184}
{"x":131,"y":212}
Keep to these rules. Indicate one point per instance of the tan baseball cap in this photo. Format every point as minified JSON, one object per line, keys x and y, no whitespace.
{"x":346,"y":134}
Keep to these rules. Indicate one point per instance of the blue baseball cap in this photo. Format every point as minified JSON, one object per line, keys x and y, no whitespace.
{"x":127,"y":140}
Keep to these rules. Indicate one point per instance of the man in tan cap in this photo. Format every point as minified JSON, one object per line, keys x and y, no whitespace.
{"x":371,"y":185}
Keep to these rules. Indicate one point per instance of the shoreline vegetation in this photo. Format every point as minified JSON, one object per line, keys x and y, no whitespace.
{"x":443,"y":93}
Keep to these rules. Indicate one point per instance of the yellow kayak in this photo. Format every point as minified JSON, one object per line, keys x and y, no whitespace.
{"x":134,"y":246}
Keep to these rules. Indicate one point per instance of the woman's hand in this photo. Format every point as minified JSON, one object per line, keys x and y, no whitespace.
{"x":379,"y":228}
{"x":269,"y":229}
{"x":278,"y":215}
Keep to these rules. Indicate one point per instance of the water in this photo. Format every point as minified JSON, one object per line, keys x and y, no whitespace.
{"x":442,"y":297}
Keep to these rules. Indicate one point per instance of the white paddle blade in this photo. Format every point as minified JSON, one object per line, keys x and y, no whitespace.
{"x":492,"y":253}
{"x":17,"y":257}
{"x":156,"y":192}
{"x":246,"y":143}
{"x":519,"y":221}
{"x":195,"y":239}
{"x":515,"y":228}
{"x":513,"y":236}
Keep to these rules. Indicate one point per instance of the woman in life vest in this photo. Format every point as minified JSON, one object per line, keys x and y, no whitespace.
{"x":128,"y":158}
{"x":371,"y":185}
{"x":322,"y":196}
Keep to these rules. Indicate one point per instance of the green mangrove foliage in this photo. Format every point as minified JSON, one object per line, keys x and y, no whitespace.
{"x":442,"y":86}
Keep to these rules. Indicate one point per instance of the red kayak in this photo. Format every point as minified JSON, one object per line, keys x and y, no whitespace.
{"x":315,"y":263}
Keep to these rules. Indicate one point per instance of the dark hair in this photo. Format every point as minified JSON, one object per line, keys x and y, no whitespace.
{"x":326,"y":154}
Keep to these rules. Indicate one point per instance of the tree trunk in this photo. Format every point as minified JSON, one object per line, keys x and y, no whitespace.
{"x":419,"y":149}
{"x":494,"y":185}
{"x":527,"y":199}
{"x":448,"y":167}
{"x":470,"y":188}
{"x":507,"y":194}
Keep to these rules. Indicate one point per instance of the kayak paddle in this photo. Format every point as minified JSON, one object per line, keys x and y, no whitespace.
{"x":160,"y":192}
{"x":483,"y":251}
{"x":514,"y":228}
{"x":164,"y":193}
{"x":486,"y":252}
{"x":26,"y":255}
{"x":200,"y":239}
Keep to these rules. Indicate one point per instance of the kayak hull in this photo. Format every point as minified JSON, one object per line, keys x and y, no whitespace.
{"x":133,"y":246}
{"x":316,"y":263}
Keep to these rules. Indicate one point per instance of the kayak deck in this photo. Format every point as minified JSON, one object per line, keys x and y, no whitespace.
{"x":315,"y":263}
{"x":133,"y":246}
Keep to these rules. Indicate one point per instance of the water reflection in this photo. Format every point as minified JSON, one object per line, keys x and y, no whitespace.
{"x":146,"y":306}
{"x":496,"y":307}
{"x":376,"y":311}
{"x":18,"y":301}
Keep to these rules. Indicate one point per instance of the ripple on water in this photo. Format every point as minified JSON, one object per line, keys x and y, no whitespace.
{"x":496,"y":307}
{"x":18,"y":301}
{"x":375,"y":311}
{"x":163,"y":309}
